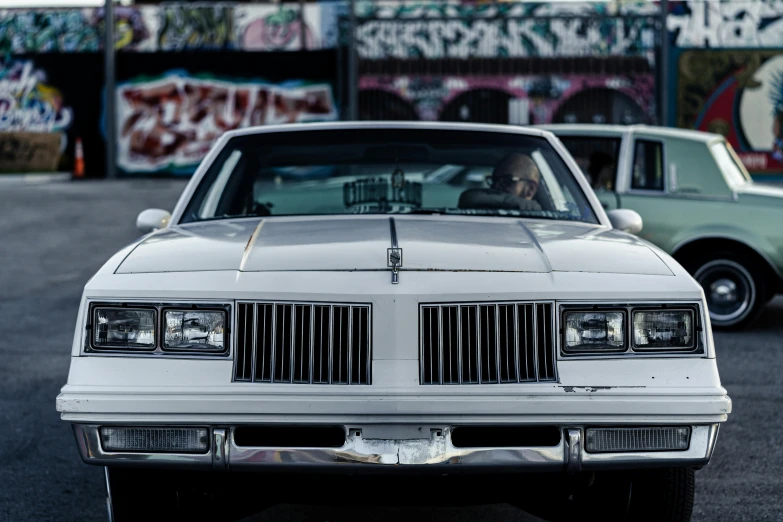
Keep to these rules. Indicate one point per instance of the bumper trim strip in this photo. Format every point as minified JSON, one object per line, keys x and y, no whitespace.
{"x":435,"y":451}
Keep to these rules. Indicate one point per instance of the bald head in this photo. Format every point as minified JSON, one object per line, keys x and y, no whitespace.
{"x":516,"y":174}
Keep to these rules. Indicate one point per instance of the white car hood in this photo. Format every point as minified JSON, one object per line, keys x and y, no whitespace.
{"x":347,"y":243}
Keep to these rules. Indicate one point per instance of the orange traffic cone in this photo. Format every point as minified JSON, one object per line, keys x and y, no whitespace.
{"x":78,"y":161}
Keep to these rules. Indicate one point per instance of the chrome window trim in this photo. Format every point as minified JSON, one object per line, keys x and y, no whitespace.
{"x":158,"y":305}
{"x":700,"y":351}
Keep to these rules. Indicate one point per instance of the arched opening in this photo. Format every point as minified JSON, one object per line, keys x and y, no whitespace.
{"x":600,"y":105}
{"x":376,"y":104}
{"x":478,"y":105}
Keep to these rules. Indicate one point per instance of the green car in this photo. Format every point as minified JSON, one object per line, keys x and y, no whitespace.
{"x":697,"y":202}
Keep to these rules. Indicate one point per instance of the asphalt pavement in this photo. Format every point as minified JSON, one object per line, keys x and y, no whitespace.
{"x":55,"y":235}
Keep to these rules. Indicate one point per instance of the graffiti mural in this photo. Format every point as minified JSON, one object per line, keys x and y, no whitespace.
{"x":170,"y":123}
{"x":277,"y":27}
{"x":507,"y":30}
{"x":201,"y":26}
{"x":47,"y":30}
{"x":739,"y":23}
{"x":134,"y":27}
{"x":27,"y":103}
{"x":738,"y":94}
{"x":507,"y":9}
{"x":517,"y":99}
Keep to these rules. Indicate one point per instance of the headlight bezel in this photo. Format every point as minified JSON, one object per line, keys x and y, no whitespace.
{"x":159,"y":307}
{"x":699,"y":347}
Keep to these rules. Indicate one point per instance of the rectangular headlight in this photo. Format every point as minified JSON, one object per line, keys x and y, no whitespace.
{"x":194,"y":330}
{"x":663,"y":330}
{"x":124,"y":328}
{"x":155,"y":440}
{"x":596,"y":332}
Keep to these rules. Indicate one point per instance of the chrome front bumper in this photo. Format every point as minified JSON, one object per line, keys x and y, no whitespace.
{"x":437,"y":451}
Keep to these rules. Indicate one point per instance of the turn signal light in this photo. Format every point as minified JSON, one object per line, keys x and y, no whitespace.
{"x":619,"y":440}
{"x":155,"y":440}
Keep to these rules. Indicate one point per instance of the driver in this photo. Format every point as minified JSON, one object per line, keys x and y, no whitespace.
{"x":512,"y":185}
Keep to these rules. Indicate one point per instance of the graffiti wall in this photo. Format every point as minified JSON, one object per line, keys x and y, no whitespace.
{"x":172,"y":27}
{"x":517,"y":99}
{"x":71,"y":30}
{"x":27,"y":102}
{"x":29,"y":151}
{"x":739,"y":94}
{"x":170,"y":123}
{"x":739,"y":23}
{"x":433,"y":31}
{"x":278,"y":28}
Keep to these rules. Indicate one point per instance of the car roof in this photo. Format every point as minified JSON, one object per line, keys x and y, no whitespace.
{"x":425,"y":125}
{"x":655,"y":130}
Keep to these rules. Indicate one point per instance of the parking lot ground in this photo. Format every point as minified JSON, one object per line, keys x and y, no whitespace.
{"x":53,"y":236}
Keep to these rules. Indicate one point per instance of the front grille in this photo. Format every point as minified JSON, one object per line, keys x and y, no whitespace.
{"x":303,"y":343}
{"x":487,"y":343}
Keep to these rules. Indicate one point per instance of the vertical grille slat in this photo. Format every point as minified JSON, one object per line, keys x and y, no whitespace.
{"x":487,"y":343}
{"x":303,"y":343}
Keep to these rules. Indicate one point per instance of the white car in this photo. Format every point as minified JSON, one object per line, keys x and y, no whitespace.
{"x":309,"y":315}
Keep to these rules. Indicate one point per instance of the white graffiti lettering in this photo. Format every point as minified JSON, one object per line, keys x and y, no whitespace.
{"x":27,"y":104}
{"x":433,"y":39}
{"x":744,"y":23}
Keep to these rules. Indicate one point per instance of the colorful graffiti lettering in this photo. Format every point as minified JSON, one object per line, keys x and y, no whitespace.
{"x":131,"y":29}
{"x":43,"y":31}
{"x":27,"y":103}
{"x":519,"y":99}
{"x":185,"y":27}
{"x":269,"y":28}
{"x":170,"y":123}
{"x":475,"y":35}
{"x":739,"y":23}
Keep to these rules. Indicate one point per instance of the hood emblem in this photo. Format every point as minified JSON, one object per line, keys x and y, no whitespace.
{"x":394,"y":261}
{"x":394,"y":254}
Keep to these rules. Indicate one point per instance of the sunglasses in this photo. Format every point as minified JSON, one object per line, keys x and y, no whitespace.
{"x":528,"y":181}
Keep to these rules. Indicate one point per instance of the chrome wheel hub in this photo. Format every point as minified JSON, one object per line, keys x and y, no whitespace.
{"x":723,"y":291}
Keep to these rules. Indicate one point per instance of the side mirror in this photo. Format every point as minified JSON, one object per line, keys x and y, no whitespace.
{"x":152,"y":219}
{"x":626,"y":220}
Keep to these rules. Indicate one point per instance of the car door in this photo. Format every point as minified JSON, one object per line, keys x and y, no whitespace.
{"x":598,"y":158}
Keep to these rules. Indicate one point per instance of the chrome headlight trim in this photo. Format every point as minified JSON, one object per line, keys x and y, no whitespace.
{"x":630,"y":307}
{"x":89,"y":348}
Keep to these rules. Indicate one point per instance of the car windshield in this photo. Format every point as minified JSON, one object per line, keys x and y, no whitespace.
{"x":730,"y":165}
{"x":388,"y":171}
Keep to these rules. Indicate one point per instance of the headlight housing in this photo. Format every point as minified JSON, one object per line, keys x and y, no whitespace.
{"x":178,"y":329}
{"x":123,"y":328}
{"x":194,"y":330}
{"x":642,"y":329}
{"x":595,"y":331}
{"x":663,"y":330}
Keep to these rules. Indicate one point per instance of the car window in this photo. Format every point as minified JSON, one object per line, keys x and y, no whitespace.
{"x":360,"y":171}
{"x":648,"y":168}
{"x":597,"y":157}
{"x":729,"y":164}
